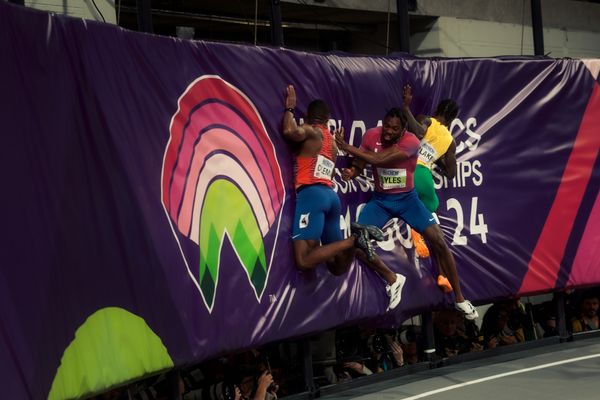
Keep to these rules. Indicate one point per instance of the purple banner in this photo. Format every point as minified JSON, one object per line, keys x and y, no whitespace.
{"x":149,"y":194}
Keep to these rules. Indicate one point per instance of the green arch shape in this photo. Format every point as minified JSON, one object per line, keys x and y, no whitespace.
{"x":226,"y":208}
{"x":111,"y":347}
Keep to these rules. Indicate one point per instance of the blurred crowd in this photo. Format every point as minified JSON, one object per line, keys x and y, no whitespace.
{"x":352,"y":352}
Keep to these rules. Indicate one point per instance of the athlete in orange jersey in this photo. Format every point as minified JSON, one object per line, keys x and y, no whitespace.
{"x":316,"y":231}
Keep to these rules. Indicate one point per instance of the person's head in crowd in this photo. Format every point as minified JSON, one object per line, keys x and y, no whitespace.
{"x":447,"y":339}
{"x":446,"y":322}
{"x":546,"y":319}
{"x":385,"y":352}
{"x":257,"y":382}
{"x":378,"y":344}
{"x":347,"y":345}
{"x":454,"y":335}
{"x":410,"y":339}
{"x":503,"y":324}
{"x":589,"y":305}
{"x":588,"y":316}
{"x":509,"y":315}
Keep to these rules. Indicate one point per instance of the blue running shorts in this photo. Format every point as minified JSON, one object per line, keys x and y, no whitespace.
{"x":317,"y":214}
{"x":383,"y":207}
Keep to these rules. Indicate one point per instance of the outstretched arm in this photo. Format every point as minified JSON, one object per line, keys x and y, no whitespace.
{"x":393,"y":154}
{"x":357,"y":166}
{"x":413,"y":125}
{"x":447,"y":162}
{"x":291,"y":130}
{"x":355,"y":169}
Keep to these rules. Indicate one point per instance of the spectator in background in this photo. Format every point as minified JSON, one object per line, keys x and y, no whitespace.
{"x":258,"y":386}
{"x":450,"y":335}
{"x":385,"y":352}
{"x":588,"y":317}
{"x":546,"y":320}
{"x":349,"y":351}
{"x":503,"y":324}
{"x":410,"y":338}
{"x":353,"y":369}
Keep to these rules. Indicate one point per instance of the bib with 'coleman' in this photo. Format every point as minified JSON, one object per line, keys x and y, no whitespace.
{"x":320,"y":168}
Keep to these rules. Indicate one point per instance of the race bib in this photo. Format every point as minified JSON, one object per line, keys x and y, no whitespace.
{"x":427,"y":154}
{"x":392,"y":178}
{"x":324,"y":168}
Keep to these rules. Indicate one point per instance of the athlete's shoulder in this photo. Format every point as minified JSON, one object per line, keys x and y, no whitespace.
{"x":373,"y":132}
{"x":409,"y":143}
{"x":322,"y":129}
{"x":371,"y":137}
{"x":437,"y":126}
{"x":411,"y":138}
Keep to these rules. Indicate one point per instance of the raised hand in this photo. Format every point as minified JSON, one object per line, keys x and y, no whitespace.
{"x":397,"y":352}
{"x":407,"y":95}
{"x":356,"y":367}
{"x":290,"y":99}
{"x":339,"y":139}
{"x":347,"y":173}
{"x":265,"y":380}
{"x":476,"y":347}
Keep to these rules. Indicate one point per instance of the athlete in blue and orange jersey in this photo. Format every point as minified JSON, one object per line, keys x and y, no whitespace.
{"x":311,"y":170}
{"x":392,"y":151}
{"x":316,"y":232}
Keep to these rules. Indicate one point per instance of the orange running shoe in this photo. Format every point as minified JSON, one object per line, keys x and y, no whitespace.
{"x":444,"y":284}
{"x":420,"y":246}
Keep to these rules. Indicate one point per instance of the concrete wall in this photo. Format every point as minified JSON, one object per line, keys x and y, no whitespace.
{"x":78,"y":8}
{"x":457,"y":37}
{"x":485,"y":28}
{"x":570,"y":14}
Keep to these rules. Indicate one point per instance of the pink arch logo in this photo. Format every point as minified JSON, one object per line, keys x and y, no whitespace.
{"x":221,"y":178}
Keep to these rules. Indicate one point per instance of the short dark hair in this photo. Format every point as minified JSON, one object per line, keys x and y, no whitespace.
{"x":318,"y":110}
{"x":396,"y":113}
{"x":447,"y":109}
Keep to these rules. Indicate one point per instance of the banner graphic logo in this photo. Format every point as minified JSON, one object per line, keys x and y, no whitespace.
{"x":221,"y":178}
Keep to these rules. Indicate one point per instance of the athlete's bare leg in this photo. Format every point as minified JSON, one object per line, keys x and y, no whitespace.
{"x":443,"y":257}
{"x":338,"y":255}
{"x":395,"y":282}
{"x":378,"y":266}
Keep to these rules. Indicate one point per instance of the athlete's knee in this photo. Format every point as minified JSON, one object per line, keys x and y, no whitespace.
{"x":341,"y":263}
{"x":438,"y":246}
{"x":302,"y":249}
{"x":337,"y":269}
{"x":435,"y":238}
{"x":302,"y":264}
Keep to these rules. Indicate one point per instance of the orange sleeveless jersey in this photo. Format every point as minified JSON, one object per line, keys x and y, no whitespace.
{"x":320,"y":168}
